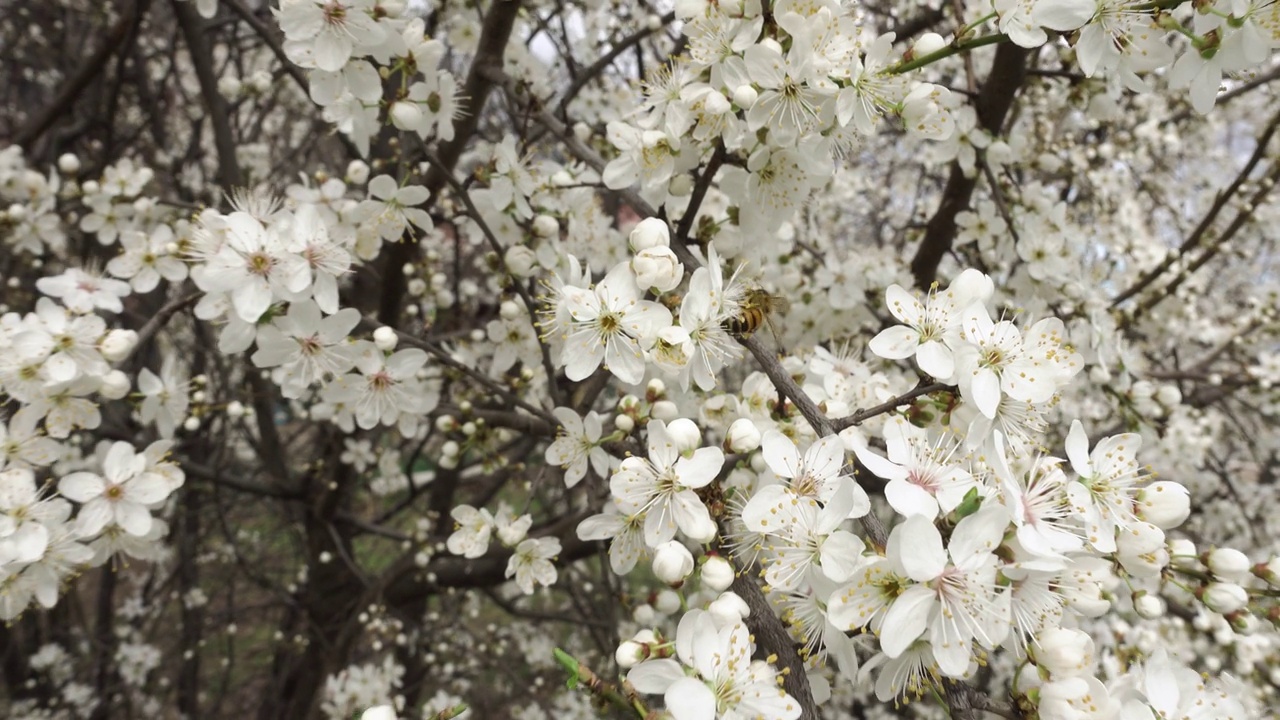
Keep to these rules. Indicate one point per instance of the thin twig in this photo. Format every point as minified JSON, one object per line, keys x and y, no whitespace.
{"x":905,"y":398}
{"x":92,"y":66}
{"x":588,"y":74}
{"x":529,"y":302}
{"x":820,"y":423}
{"x":158,"y":321}
{"x":699,"y":193}
{"x":370,"y":324}
{"x":1201,"y":230}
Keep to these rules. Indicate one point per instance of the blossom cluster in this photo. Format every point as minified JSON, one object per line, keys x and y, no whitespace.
{"x":927,"y":487}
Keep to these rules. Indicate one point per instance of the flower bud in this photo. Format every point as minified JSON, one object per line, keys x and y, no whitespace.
{"x":684,"y":434}
{"x":357,"y":172}
{"x":1223,"y":598}
{"x":703,"y":532}
{"x":260,"y":81}
{"x":657,"y":268}
{"x":1064,"y":652}
{"x":713,"y":103}
{"x":1242,"y":622}
{"x":624,"y":423}
{"x":1227,"y":563}
{"x":235,"y":409}
{"x":115,"y":385}
{"x":1049,"y":162}
{"x":510,"y":310}
{"x":380,"y":712}
{"x":520,"y":261}
{"x":927,"y":44}
{"x":672,"y":562}
{"x":717,"y":573}
{"x":745,"y":96}
{"x":664,"y":410}
{"x":655,"y":389}
{"x":667,"y":602}
{"x":629,"y":653}
{"x":385,"y":338}
{"x":649,"y":233}
{"x":406,"y":115}
{"x":682,"y":184}
{"x":644,"y":614}
{"x":743,"y":436}
{"x":191,"y":424}
{"x":1169,"y":395}
{"x":68,"y":164}
{"x":1182,"y":552}
{"x":1165,"y":504}
{"x":117,"y":344}
{"x":729,"y":609}
{"x":1269,"y":571}
{"x":1147,"y":605}
{"x":229,"y":87}
{"x":1000,"y":153}
{"x":546,"y":226}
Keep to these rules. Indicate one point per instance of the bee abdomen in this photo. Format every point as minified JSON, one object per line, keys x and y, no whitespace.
{"x":745,"y":324}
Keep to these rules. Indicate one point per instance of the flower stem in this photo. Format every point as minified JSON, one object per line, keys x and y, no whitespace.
{"x":946,"y":52}
{"x":608,"y":692}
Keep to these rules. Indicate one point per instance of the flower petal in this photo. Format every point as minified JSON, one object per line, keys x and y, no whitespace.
{"x":81,"y":486}
{"x":690,"y":699}
{"x":655,"y":676}
{"x":919,"y":545}
{"x":906,"y":620}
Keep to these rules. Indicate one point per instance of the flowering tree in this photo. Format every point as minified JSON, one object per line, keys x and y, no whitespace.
{"x":736,"y":359}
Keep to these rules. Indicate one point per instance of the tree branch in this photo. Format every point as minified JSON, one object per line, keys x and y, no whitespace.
{"x":1202,"y":229}
{"x":494,"y":35}
{"x":771,"y":636}
{"x":818,"y":420}
{"x":595,"y":68}
{"x":905,"y":398}
{"x":93,"y":65}
{"x":192,"y":26}
{"x":992,"y":105}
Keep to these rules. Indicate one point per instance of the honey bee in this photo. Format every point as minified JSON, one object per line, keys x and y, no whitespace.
{"x":754,"y":309}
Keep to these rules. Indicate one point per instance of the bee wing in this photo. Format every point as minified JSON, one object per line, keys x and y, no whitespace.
{"x":773,"y":330}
